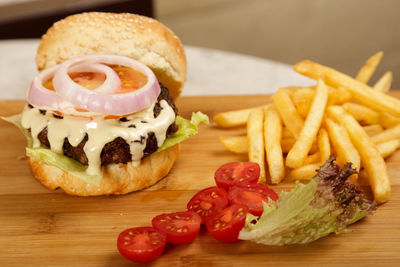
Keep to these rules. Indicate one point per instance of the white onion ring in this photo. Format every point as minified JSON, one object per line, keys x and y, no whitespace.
{"x":98,"y":101}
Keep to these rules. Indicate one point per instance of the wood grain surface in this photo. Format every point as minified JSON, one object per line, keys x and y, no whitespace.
{"x":39,"y":227}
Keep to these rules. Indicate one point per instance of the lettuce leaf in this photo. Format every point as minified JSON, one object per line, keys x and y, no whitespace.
{"x":326,"y":204}
{"x":186,"y":129}
{"x":63,"y":163}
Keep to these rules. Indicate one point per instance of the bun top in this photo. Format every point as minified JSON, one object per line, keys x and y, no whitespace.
{"x":141,"y":38}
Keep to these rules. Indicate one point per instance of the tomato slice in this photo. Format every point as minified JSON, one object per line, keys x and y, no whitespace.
{"x":141,"y":244}
{"x":180,"y":227}
{"x":226,"y":224}
{"x":234,"y":173}
{"x":252,"y":196}
{"x":208,"y":201}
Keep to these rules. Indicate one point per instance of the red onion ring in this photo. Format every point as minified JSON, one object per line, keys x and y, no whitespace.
{"x":99,"y":101}
{"x":41,"y":97}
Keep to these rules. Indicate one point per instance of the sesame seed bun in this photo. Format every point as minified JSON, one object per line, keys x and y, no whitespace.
{"x":138,"y":37}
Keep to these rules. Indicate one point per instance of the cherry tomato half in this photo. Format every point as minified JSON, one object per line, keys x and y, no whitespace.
{"x":252,"y":196}
{"x":234,"y":173}
{"x":208,"y":201}
{"x":141,"y":244}
{"x":180,"y":227}
{"x":226,"y":224}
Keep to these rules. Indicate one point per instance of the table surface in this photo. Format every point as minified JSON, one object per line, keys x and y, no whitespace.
{"x":210,"y":72}
{"x":39,"y":227}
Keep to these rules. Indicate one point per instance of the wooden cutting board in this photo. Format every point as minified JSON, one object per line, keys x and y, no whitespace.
{"x":41,"y":227}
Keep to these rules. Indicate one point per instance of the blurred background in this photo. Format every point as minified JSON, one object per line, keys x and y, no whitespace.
{"x":340,"y":33}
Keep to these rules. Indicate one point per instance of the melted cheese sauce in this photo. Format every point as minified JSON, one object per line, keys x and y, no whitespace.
{"x":100,"y":131}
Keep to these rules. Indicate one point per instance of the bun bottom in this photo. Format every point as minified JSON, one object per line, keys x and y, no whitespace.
{"x":117,"y":179}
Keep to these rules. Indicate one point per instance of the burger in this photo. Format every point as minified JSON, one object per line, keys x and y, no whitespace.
{"x":101,"y":117}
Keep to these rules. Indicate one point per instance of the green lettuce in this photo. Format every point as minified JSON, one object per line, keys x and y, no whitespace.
{"x":326,"y":204}
{"x":186,"y":129}
{"x":62,"y":162}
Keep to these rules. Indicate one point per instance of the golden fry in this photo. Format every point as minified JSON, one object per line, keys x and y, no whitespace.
{"x":301,"y":148}
{"x":360,"y":91}
{"x":369,"y":67}
{"x":234,"y":118}
{"x":370,"y":156}
{"x":324,"y":145}
{"x":338,"y":96}
{"x":387,"y":148}
{"x":341,"y":141}
{"x":313,"y":158}
{"x":373,"y":129}
{"x":384,"y":83}
{"x":288,"y":112}
{"x":387,"y":135}
{"x":286,"y":133}
{"x":235,"y":144}
{"x":287,"y":144}
{"x":361,"y":113}
{"x":305,"y":172}
{"x":302,"y":99}
{"x":272,"y":139}
{"x":256,"y":140}
{"x":388,"y":121}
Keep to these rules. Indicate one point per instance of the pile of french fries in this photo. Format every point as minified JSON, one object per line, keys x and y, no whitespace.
{"x":303,"y":126}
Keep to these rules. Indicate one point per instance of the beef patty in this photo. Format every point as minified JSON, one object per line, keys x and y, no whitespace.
{"x":117,"y":151}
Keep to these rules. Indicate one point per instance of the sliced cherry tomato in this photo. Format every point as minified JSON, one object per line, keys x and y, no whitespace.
{"x":226,"y":224}
{"x":234,"y":173}
{"x":180,"y":227}
{"x":208,"y":202}
{"x":252,"y":196}
{"x":141,"y":244}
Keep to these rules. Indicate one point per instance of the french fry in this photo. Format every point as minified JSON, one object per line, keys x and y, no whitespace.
{"x":324,"y":145}
{"x":234,"y":118}
{"x":388,"y":121}
{"x":360,"y":91}
{"x":313,"y":158}
{"x":235,"y":144}
{"x":273,"y":150}
{"x":384,"y":83}
{"x":361,"y":113}
{"x":370,"y":156}
{"x":373,"y":129}
{"x":341,"y":141}
{"x":338,"y":95}
{"x":369,"y":67}
{"x":387,"y":148}
{"x":302,"y":99}
{"x":301,"y":148}
{"x":305,"y":172}
{"x":288,"y":112}
{"x":256,"y":140}
{"x":287,"y":144}
{"x":387,"y":135}
{"x":286,"y":133}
